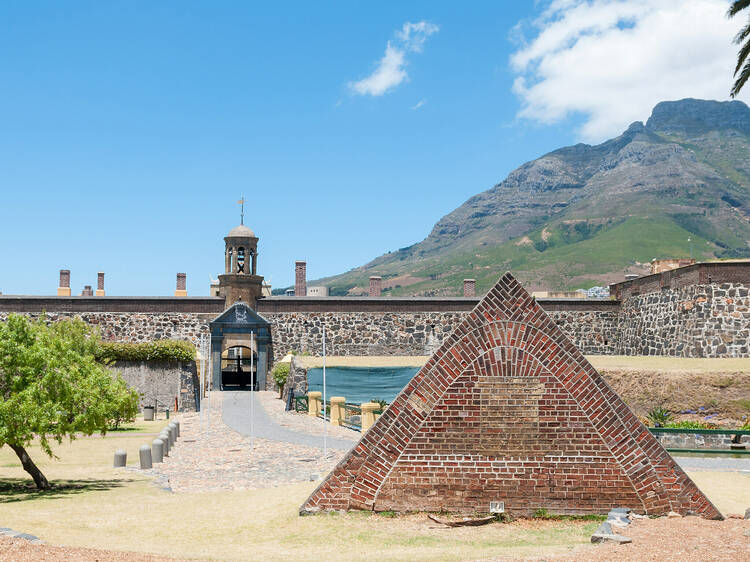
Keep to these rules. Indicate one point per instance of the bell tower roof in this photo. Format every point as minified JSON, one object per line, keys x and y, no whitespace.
{"x":241,"y":231}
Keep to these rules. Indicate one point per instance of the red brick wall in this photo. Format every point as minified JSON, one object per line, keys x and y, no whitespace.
{"x":375,"y":285}
{"x":509,"y":410}
{"x":470,"y":287}
{"x":300,"y":279}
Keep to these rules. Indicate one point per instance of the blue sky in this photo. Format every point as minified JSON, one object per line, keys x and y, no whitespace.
{"x":128,"y":130}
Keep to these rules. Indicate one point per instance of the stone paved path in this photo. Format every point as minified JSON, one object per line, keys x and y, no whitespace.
{"x":213,"y":456}
{"x":236,"y":414}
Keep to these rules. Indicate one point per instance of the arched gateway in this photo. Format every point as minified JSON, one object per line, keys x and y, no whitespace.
{"x":238,"y":334}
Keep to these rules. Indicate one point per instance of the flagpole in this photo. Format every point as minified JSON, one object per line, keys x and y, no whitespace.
{"x":252,"y":389}
{"x":202,"y":379}
{"x":325,"y":421}
{"x":210,"y":382}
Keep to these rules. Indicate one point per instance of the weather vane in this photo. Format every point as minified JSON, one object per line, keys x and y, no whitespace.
{"x":242,"y":209}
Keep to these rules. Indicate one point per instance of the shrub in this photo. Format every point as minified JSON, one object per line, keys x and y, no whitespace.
{"x":159,"y":350}
{"x":659,"y":416}
{"x":280,"y":372}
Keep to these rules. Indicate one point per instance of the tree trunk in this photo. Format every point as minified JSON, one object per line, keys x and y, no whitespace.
{"x":28,"y":465}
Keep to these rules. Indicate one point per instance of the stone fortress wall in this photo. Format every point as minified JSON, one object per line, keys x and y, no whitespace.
{"x":400,"y":328}
{"x":701,"y":310}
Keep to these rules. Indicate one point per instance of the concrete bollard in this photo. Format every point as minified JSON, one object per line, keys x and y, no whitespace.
{"x":177,"y":424}
{"x":337,"y":410}
{"x":368,"y":414}
{"x":157,"y":450}
{"x":172,"y":434}
{"x":164,"y":436}
{"x":121,"y":458}
{"x":313,"y":403}
{"x":144,"y":453}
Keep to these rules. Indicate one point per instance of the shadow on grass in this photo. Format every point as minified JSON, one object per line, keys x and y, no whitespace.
{"x":21,"y":489}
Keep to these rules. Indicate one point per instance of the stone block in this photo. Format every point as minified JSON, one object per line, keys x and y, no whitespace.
{"x":157,"y":450}
{"x":337,"y":410}
{"x":314,"y":400}
{"x":121,"y":458}
{"x":144,"y":456}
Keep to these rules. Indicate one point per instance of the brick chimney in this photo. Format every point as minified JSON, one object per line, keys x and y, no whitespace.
{"x":300,"y":279}
{"x":181,"y":290}
{"x":64,"y":289}
{"x":100,"y":284}
{"x":87,"y":292}
{"x":375,"y":284}
{"x":470,"y":287}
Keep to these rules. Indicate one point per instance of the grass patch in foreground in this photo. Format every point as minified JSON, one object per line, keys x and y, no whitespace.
{"x":100,"y":507}
{"x":545,"y":515}
{"x":97,"y":506}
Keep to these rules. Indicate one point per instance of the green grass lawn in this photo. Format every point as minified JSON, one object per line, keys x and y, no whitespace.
{"x":98,"y":506}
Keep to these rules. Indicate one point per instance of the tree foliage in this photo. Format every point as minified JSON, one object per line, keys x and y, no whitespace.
{"x":743,"y":39}
{"x":53,"y":387}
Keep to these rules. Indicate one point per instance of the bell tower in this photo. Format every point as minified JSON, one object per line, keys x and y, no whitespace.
{"x":240,"y":280}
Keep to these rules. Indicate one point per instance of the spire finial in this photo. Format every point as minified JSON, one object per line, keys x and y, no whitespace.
{"x":242,"y":210}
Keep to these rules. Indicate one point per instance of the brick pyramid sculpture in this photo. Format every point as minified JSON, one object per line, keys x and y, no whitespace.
{"x":509,"y":410}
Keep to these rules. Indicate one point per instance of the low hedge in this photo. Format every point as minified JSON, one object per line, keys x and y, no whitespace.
{"x":160,"y":350}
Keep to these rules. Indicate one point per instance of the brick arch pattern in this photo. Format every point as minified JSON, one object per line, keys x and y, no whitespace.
{"x":508,"y":409}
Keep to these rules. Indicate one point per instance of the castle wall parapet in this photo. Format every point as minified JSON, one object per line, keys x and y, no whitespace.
{"x":697,"y":274}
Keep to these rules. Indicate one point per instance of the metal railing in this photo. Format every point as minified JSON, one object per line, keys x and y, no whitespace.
{"x":301,"y":404}
{"x":352,"y":416}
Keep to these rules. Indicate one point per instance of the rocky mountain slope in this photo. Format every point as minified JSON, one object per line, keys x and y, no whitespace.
{"x":585,"y":215}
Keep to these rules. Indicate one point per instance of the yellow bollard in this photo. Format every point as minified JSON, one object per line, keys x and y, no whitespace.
{"x":337,"y":410}
{"x":368,"y":414}
{"x":313,"y":403}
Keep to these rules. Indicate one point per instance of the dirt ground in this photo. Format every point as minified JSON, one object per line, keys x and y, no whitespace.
{"x":20,"y":550}
{"x":685,"y":539}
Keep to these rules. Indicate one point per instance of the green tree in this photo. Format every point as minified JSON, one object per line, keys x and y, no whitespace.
{"x":53,"y":387}
{"x":742,"y":39}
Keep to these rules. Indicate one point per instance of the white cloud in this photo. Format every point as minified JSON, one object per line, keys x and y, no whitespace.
{"x":417,"y":105}
{"x":391,"y":70}
{"x":613,"y":60}
{"x":389,"y":74}
{"x":413,"y":35}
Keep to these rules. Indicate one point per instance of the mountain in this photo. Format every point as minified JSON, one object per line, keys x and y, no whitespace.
{"x":585,"y":215}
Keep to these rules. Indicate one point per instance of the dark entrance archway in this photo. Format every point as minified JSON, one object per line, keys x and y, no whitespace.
{"x":235,"y":334}
{"x":239,"y":368}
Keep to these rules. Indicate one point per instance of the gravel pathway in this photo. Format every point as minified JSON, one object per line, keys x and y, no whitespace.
{"x":236,"y":414}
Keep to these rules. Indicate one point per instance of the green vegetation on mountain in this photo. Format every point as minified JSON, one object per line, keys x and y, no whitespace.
{"x":585,"y":215}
